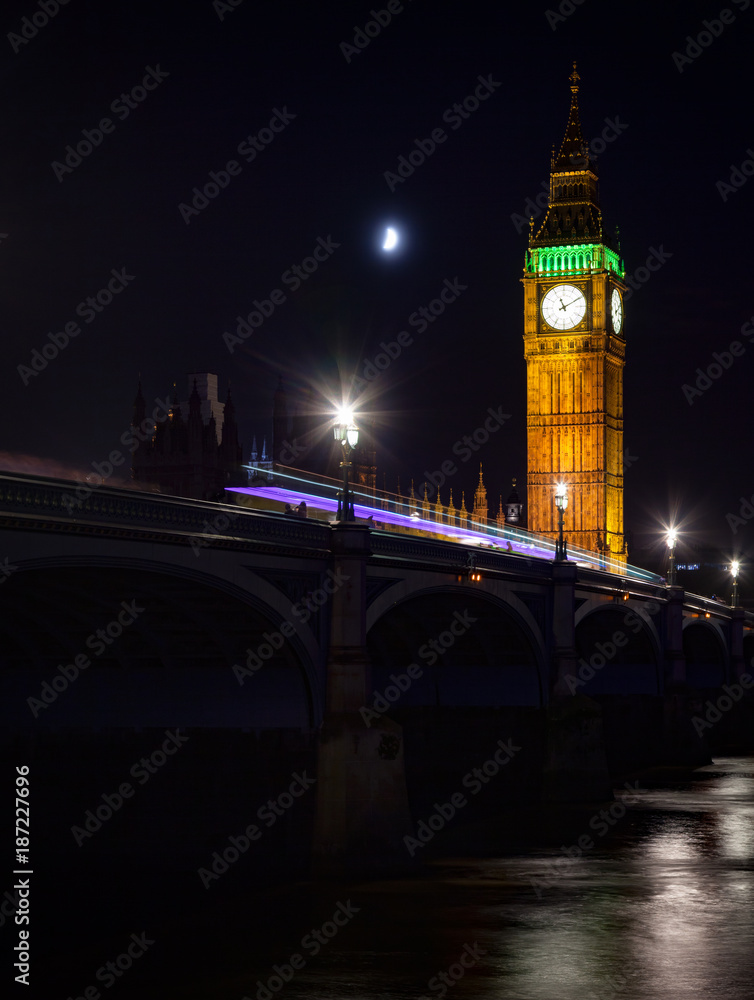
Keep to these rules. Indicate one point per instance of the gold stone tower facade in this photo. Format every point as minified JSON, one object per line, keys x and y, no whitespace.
{"x":575,"y":349}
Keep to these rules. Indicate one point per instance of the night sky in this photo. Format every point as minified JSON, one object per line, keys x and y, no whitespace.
{"x":218,"y":74}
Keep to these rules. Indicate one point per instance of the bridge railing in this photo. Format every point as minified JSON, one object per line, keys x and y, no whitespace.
{"x":41,"y":502}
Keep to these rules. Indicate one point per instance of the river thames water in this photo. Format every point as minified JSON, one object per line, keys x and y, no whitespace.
{"x":660,"y":906}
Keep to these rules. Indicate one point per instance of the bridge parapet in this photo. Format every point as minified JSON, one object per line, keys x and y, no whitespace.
{"x":49,"y":505}
{"x":422,"y":551}
{"x":35,"y":503}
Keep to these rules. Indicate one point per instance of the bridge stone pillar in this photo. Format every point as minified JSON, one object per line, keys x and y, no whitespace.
{"x":682,"y":743}
{"x":737,"y":664}
{"x":564,"y":664}
{"x":362,"y":804}
{"x":675,"y":662}
{"x":575,"y":765}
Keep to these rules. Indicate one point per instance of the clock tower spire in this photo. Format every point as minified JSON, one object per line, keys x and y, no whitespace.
{"x":574,"y":347}
{"x":573,"y":210}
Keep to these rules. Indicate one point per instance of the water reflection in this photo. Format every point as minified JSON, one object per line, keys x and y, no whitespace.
{"x":659,"y":908}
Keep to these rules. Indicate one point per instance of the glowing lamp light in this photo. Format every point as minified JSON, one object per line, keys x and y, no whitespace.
{"x":343,"y":421}
{"x":345,"y":430}
{"x":734,"y":567}
{"x":561,"y":496}
{"x":671,"y":539}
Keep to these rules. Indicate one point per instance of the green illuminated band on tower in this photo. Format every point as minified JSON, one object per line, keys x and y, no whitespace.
{"x":579,"y":259}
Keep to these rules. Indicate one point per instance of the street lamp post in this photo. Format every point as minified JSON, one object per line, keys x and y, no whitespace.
{"x":561,"y":502}
{"x":346,"y":433}
{"x":671,"y":540}
{"x":734,"y":570}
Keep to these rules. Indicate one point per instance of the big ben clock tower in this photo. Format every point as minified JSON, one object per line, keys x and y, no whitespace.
{"x":574,"y":347}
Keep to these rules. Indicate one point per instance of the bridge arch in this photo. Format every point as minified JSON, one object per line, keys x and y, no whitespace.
{"x":705,"y":652}
{"x":157,"y":646}
{"x":619,"y":651}
{"x":474,"y":650}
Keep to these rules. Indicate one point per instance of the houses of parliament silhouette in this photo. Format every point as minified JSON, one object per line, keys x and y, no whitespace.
{"x":574,"y":349}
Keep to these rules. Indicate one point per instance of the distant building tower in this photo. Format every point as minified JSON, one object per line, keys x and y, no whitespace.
{"x":574,"y":343}
{"x":195,"y":451}
{"x":262,"y":464}
{"x":513,"y":507}
{"x":480,"y":511}
{"x":500,"y":516}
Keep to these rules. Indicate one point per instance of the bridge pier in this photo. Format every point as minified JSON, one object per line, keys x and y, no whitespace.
{"x":737,"y":663}
{"x":362,"y":805}
{"x":682,"y":744}
{"x":575,"y":764}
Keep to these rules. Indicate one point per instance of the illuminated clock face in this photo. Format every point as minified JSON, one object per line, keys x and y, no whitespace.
{"x":564,"y":307}
{"x":617,"y":308}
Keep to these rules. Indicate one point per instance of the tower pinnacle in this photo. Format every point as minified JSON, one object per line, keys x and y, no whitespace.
{"x":573,"y":215}
{"x":574,"y":78}
{"x":480,"y":510}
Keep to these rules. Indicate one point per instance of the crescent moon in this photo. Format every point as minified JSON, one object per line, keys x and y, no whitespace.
{"x":391,"y":239}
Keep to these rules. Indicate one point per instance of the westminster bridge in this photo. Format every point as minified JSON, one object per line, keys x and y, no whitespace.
{"x":276,"y":642}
